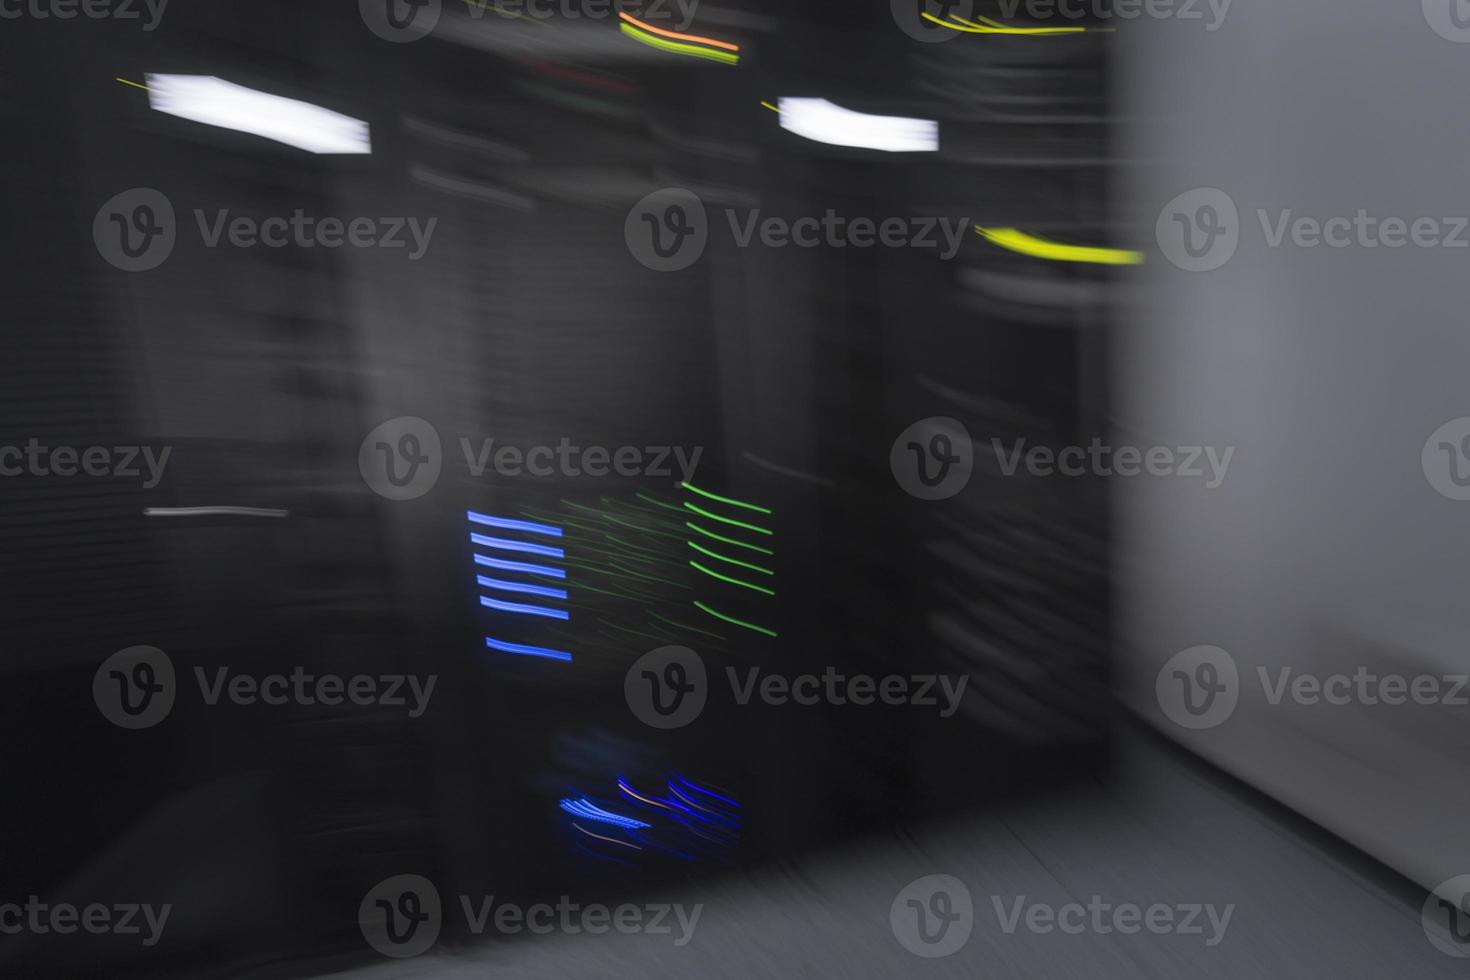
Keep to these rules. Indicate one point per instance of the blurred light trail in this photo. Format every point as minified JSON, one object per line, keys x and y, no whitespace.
{"x":504,"y":586}
{"x":724,"y":520}
{"x":732,"y":581}
{"x":700,"y":808}
{"x":733,"y":620}
{"x":610,"y":840}
{"x":216,"y":102}
{"x":683,"y":626}
{"x":633,"y":632}
{"x":527,"y":651}
{"x":658,"y":503}
{"x":586,"y":808}
{"x":511,"y":524}
{"x":704,"y":791}
{"x":675,"y":35}
{"x":725,"y":500}
{"x":733,"y":561}
{"x":1041,"y":248}
{"x":674,"y":47}
{"x":623,"y":785}
{"x":517,"y":607}
{"x":214,"y":511}
{"x":720,"y":576}
{"x":719,"y":537}
{"x":506,"y":544}
{"x":996,"y":27}
{"x":825,"y":122}
{"x":519,"y":566}
{"x":584,"y":76}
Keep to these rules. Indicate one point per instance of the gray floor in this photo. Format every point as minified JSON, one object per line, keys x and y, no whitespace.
{"x":1161,"y":832}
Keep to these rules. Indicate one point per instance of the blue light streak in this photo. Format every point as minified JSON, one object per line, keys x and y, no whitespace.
{"x":704,"y":792}
{"x":506,"y":544}
{"x":520,"y":566}
{"x":517,"y":607}
{"x":585,"y":808}
{"x":511,"y":524}
{"x":528,"y":651}
{"x":504,"y":586}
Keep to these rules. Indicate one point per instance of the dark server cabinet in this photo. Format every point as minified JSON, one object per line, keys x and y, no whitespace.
{"x":568,"y":616}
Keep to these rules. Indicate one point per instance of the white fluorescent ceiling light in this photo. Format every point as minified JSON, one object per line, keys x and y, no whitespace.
{"x":820,"y":120}
{"x":216,"y":102}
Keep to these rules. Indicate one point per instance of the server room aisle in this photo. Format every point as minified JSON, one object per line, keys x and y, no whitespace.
{"x":1276,"y":898}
